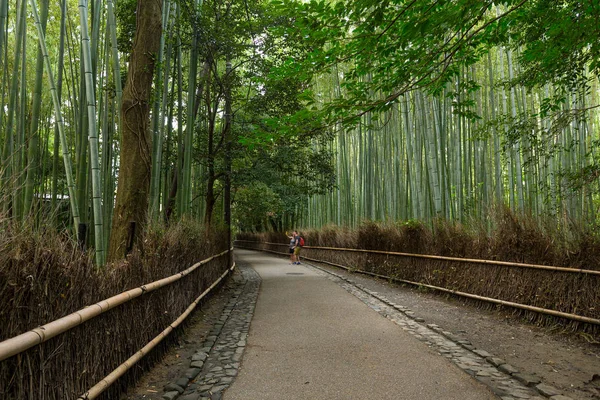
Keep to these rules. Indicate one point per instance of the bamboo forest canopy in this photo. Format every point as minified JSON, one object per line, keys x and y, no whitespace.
{"x":312,"y":112}
{"x":444,"y":108}
{"x":130,"y":111}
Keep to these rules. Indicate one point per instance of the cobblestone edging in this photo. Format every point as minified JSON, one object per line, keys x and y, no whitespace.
{"x":214,"y":366}
{"x":503,"y":379}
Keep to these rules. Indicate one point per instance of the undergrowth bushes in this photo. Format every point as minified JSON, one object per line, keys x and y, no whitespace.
{"x":507,"y":237}
{"x":44,"y":276}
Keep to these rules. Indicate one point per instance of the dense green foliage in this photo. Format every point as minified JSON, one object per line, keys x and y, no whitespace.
{"x":191,"y":138}
{"x":344,"y":109}
{"x":449,"y":107}
{"x":393,"y":47}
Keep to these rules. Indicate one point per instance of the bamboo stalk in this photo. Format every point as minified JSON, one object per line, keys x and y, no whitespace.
{"x":24,"y":341}
{"x":112,"y":27}
{"x":6,"y":169}
{"x":59,"y":118}
{"x":92,"y":135}
{"x":111,"y":378}
{"x":158,"y":116}
{"x":33,"y":158}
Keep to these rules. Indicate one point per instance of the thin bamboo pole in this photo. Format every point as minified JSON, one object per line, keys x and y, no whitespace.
{"x":33,"y":161}
{"x":158,"y":116}
{"x":92,"y":135}
{"x":59,"y":118}
{"x":6,"y":186}
{"x":112,"y":27}
{"x":3,"y":19}
{"x":24,"y":341}
{"x":59,"y":85}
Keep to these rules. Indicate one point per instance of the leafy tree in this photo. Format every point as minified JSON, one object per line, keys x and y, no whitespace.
{"x":255,"y":206}
{"x":134,"y":177}
{"x":393,"y":47}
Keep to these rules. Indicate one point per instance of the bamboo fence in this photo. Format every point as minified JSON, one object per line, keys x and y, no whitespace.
{"x":22,"y":342}
{"x":540,"y":310}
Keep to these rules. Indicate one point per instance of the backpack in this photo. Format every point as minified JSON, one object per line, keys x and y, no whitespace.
{"x":301,"y":242}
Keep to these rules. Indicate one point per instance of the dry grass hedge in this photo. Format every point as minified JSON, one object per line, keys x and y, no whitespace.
{"x":516,"y":239}
{"x":43,"y":276}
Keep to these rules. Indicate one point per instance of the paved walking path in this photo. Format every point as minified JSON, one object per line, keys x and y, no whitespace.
{"x":311,"y":339}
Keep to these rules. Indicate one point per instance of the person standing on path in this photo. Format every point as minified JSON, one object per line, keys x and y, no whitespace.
{"x":293,"y":244}
{"x":299,"y":244}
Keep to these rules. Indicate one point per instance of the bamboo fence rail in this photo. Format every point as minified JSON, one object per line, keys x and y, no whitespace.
{"x":526,"y":307}
{"x":101,"y":386}
{"x":444,"y":258}
{"x":20,"y":343}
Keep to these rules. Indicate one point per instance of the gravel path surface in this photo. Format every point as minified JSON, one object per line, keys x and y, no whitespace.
{"x":311,"y":339}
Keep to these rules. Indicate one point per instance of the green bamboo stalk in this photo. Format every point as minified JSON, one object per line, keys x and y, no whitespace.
{"x":432,"y":159}
{"x":158,"y":116}
{"x":61,"y":50}
{"x":186,"y":186}
{"x":180,"y":139}
{"x":410,"y":161}
{"x":459,"y":160}
{"x":93,"y":135}
{"x":32,"y":156}
{"x":9,"y":145}
{"x":19,"y":149}
{"x":3,"y":27}
{"x":58,"y":117}
{"x":95,"y":39}
{"x":516,"y":148}
{"x":107,"y":154}
{"x":112,"y":27}
{"x":81,"y":147}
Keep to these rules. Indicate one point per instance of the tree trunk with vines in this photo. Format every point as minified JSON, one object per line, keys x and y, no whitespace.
{"x":135,"y":165}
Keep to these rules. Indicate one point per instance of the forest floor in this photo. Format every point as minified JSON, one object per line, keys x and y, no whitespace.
{"x":561,"y":359}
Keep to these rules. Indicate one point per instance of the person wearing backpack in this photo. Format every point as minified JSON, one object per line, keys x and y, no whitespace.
{"x":298,"y":247}
{"x":293,"y":243}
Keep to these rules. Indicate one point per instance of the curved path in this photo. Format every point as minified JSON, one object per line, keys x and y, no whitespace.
{"x":311,"y":339}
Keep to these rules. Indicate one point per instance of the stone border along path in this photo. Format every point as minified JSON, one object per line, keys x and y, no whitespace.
{"x":214,"y":366}
{"x":503,"y":379}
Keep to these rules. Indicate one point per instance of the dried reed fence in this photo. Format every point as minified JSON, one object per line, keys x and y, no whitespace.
{"x":44,"y":277}
{"x":568,"y":291}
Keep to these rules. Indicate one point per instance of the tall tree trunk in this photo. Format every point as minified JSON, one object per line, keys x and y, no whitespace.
{"x":134,"y":176}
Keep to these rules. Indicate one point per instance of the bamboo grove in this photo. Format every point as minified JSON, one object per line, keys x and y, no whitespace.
{"x":447,"y":114}
{"x":311,"y":112}
{"x":423,"y":159}
{"x":67,"y":111}
{"x":77,"y":60}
